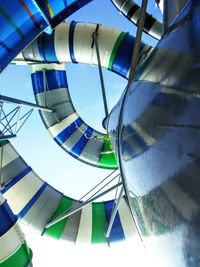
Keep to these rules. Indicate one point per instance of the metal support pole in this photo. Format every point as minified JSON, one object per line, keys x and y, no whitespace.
{"x":69,"y":213}
{"x":23,"y":103}
{"x":1,"y":109}
{"x":95,"y":38}
{"x":136,"y":49}
{"x":18,"y":118}
{"x":113,"y":215}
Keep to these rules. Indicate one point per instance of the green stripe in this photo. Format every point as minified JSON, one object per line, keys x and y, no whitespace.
{"x":115,"y":49}
{"x":57,"y":229}
{"x":107,"y":160}
{"x":12,"y":23}
{"x":99,"y":224}
{"x":21,"y":258}
{"x":3,"y":143}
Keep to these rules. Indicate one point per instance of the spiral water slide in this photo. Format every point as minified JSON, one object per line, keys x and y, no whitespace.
{"x":34,"y":201}
{"x":73,"y":43}
{"x":17,"y":30}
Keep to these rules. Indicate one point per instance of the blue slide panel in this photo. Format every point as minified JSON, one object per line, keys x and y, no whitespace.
{"x":55,"y":79}
{"x":7,"y":218}
{"x":21,"y":21}
{"x":117,"y":233}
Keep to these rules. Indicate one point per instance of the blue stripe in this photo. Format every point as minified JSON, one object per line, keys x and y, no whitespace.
{"x":46,"y":45}
{"x":117,"y":233}
{"x":171,"y":103}
{"x":32,"y":201}
{"x":122,"y":61}
{"x":16,"y":179}
{"x":56,"y":79}
{"x":71,"y":41}
{"x":79,"y":146}
{"x":40,"y":49}
{"x":66,"y":133}
{"x":7,"y":218}
{"x":127,"y":147}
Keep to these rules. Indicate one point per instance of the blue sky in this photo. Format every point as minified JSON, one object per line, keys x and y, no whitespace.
{"x":43,"y":154}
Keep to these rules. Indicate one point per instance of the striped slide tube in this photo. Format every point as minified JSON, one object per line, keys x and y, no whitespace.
{"x":64,"y":124}
{"x":21,"y":21}
{"x":72,"y":43}
{"x":131,"y":10}
{"x":13,"y":248}
{"x":37,"y":203}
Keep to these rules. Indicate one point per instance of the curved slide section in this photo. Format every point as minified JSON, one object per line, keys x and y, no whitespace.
{"x":64,"y":124}
{"x":131,"y":10}
{"x":13,"y":248}
{"x":23,"y":20}
{"x":37,"y":203}
{"x":72,"y":43}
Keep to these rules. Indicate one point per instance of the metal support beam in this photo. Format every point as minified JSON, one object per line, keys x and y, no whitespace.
{"x":95,"y":40}
{"x":23,"y":103}
{"x":69,"y":213}
{"x":113,"y":215}
{"x":11,"y":122}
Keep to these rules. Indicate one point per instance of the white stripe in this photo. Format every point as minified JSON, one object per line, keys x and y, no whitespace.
{"x":2,"y":199}
{"x":92,"y":151}
{"x":85,"y":228}
{"x":184,"y":95}
{"x":181,"y":200}
{"x":9,"y":154}
{"x":83,"y":41}
{"x":10,"y":242}
{"x":126,"y":219}
{"x":23,"y":191}
{"x":106,"y":41}
{"x":153,"y":31}
{"x":62,"y":43}
{"x":149,"y":140}
{"x":59,"y":127}
{"x":40,"y":67}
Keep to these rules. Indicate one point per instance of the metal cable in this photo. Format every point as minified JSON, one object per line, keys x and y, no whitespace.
{"x":97,"y":185}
